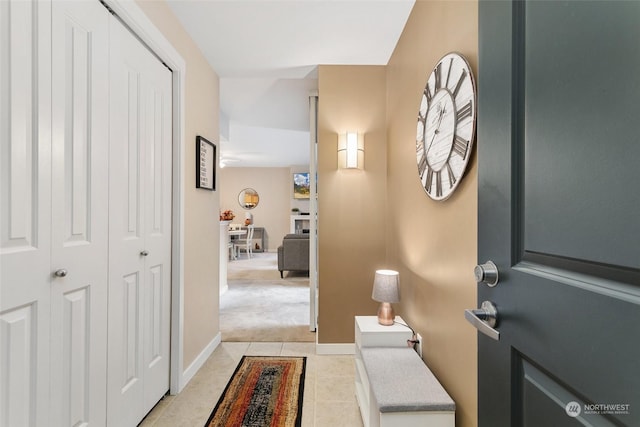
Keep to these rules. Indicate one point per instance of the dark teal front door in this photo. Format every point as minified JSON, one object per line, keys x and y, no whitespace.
{"x":559,"y":212}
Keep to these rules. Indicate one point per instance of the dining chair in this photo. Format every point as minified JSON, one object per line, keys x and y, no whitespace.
{"x":231,"y":248}
{"x":246,"y":243}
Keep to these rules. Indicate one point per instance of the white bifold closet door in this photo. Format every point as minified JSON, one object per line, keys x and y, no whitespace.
{"x":54,"y":130}
{"x":139,"y":228}
{"x":79,"y":201}
{"x":25,"y":212}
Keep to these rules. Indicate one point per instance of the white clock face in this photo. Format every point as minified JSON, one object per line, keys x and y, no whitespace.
{"x":446,"y":126}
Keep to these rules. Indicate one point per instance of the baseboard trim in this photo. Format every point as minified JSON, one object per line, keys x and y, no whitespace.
{"x":195,"y":366}
{"x":335,"y":348}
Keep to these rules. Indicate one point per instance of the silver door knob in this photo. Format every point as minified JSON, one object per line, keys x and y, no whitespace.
{"x":60,"y":272}
{"x":484,"y":319}
{"x":486,"y":273}
{"x":144,"y":253}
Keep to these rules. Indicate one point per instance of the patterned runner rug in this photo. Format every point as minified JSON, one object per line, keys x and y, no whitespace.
{"x":263,"y":392}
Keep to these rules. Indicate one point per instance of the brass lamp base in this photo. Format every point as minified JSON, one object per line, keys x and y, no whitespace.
{"x":386,"y":316}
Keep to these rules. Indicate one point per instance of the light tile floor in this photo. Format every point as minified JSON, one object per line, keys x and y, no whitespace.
{"x":329,"y":394}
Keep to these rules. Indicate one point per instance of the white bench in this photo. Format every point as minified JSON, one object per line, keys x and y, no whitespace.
{"x":403,"y":392}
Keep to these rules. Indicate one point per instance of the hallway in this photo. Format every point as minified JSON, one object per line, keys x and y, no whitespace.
{"x":264,"y":315}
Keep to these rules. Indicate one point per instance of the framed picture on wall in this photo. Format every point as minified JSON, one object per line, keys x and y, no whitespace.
{"x":205,"y":164}
{"x":301,"y":186}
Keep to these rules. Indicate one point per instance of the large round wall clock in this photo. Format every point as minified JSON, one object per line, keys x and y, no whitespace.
{"x":446,"y":126}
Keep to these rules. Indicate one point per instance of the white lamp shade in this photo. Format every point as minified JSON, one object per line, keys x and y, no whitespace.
{"x":351,"y":150}
{"x":385,"y":286}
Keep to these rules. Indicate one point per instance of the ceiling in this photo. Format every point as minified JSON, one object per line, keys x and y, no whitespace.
{"x":266,"y":53}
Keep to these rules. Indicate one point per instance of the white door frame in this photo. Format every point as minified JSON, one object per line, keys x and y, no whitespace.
{"x":313,"y":212}
{"x":131,"y":14}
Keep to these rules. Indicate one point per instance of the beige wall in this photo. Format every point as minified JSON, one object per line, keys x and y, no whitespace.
{"x":201,"y":230}
{"x":432,"y":244}
{"x":351,"y":203}
{"x":275,"y":188}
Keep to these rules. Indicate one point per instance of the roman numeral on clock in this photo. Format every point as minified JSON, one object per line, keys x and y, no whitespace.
{"x":427,"y":184}
{"x":446,"y":82}
{"x":460,"y":80}
{"x":422,"y":165}
{"x":438,"y":184}
{"x":421,"y":118}
{"x":464,"y":112}
{"x":452,"y":177}
{"x":438,"y":77}
{"x":428,"y":93}
{"x":460,"y":146}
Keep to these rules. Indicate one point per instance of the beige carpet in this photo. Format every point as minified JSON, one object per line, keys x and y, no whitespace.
{"x":260,"y":306}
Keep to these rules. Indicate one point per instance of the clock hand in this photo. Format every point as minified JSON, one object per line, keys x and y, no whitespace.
{"x":442,"y":113}
{"x":435,"y":133}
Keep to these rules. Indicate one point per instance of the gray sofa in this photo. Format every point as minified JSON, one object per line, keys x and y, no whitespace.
{"x":293,"y":254}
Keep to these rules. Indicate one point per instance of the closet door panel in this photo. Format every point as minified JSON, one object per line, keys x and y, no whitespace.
{"x":139,"y":229}
{"x":20,"y":398}
{"x":25,"y":207}
{"x":79,"y":212}
{"x":126,"y":246}
{"x":76,"y":336}
{"x":157,"y":201}
{"x":19,"y":108}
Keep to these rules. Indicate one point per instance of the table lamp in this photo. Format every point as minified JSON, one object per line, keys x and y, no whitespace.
{"x":385,"y":291}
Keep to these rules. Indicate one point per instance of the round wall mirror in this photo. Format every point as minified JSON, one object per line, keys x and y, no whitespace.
{"x":248,"y":198}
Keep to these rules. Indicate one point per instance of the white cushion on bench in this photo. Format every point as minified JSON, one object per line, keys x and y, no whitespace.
{"x":401,"y":382}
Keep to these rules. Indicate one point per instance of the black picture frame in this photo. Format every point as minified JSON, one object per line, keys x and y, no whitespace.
{"x":205,"y":164}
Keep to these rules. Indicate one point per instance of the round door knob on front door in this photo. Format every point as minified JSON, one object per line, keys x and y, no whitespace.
{"x":486,"y":273}
{"x":144,"y":253}
{"x":60,"y":272}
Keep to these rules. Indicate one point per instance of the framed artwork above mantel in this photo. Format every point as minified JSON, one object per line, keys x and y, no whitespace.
{"x":301,"y":185}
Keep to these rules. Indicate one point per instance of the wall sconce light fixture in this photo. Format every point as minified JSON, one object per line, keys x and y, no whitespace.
{"x":351,"y":150}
